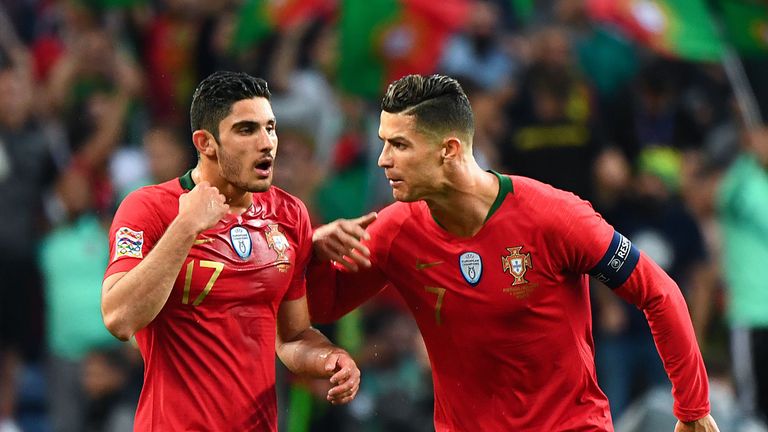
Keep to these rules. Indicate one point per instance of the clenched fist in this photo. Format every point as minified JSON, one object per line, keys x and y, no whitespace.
{"x":202,"y":207}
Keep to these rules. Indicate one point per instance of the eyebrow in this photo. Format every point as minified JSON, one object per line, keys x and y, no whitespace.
{"x":398,"y":138}
{"x":252,"y":123}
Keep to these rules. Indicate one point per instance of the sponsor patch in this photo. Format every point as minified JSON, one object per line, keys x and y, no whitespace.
{"x":128,"y":243}
{"x":471,"y":265}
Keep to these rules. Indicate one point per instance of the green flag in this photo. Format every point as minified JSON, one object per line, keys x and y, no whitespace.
{"x":746,"y":26}
{"x":680,"y":28}
{"x":683,"y":28}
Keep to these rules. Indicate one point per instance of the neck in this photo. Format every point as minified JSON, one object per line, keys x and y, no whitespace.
{"x":465,"y":199}
{"x":238,"y":199}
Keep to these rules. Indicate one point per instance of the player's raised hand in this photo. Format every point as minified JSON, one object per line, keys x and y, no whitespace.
{"x":202,"y":207}
{"x":341,"y":241}
{"x":345,"y":377}
{"x":705,"y":424}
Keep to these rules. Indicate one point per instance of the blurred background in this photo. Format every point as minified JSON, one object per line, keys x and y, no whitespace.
{"x":651,"y":109}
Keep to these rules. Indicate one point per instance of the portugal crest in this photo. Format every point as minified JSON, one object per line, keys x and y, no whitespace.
{"x":517,"y":264}
{"x":278,"y":243}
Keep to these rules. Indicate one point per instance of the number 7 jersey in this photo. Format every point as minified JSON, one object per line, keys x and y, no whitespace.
{"x":505,"y":314}
{"x":209,"y":355}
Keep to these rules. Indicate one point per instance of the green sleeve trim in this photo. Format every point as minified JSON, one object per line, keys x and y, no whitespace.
{"x":186,"y":181}
{"x":505,"y":187}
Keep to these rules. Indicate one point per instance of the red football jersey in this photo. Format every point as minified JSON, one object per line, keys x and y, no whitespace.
{"x":209,"y":355}
{"x":505,"y":314}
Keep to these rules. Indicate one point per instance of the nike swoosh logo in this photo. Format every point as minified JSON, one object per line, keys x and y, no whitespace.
{"x":423,"y":265}
{"x":203,"y":241}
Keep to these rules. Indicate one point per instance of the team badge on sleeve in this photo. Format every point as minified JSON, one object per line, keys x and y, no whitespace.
{"x":128,"y":243}
{"x":241,"y":241}
{"x":471,"y":265}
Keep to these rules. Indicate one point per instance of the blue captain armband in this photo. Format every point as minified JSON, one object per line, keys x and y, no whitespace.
{"x":618,"y":262}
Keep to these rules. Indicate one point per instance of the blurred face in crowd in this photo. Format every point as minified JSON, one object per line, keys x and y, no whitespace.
{"x":248,"y":145}
{"x":167,"y":156}
{"x":483,"y":19}
{"x":411,"y":158}
{"x":552,"y":48}
{"x":17,"y":99}
{"x":74,"y":191}
{"x":96,"y":53}
{"x":101,"y":378}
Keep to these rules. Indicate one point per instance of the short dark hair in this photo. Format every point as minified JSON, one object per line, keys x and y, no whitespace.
{"x":437,"y":101}
{"x":215,"y":95}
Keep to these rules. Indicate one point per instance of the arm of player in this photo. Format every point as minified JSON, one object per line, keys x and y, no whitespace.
{"x":305,"y":351}
{"x":341,"y":241}
{"x":706,"y":424}
{"x":332,"y":293}
{"x":657,"y":295}
{"x":131,"y":300}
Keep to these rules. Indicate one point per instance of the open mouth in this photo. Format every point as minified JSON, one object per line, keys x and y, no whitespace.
{"x":264,"y":167}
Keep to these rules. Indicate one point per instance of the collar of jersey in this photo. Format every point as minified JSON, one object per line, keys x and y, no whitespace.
{"x":186,"y":181}
{"x":505,"y":187}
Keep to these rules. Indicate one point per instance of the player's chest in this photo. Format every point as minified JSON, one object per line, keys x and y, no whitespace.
{"x":495,"y":278}
{"x":240,"y":262}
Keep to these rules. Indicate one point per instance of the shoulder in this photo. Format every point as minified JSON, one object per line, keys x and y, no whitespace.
{"x":396,"y":214}
{"x":542,"y":196}
{"x":281,"y":204}
{"x":279,"y":197}
{"x":160,"y":199}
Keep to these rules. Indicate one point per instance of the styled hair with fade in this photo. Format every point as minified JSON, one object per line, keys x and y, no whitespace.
{"x":215,"y":95}
{"x":438,"y":103}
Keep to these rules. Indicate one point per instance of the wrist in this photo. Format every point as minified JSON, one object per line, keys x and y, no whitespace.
{"x":184,"y":225}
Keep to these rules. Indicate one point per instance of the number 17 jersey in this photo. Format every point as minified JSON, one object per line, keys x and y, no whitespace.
{"x":209,"y":355}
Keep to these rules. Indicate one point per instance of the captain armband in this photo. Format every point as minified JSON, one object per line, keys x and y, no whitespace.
{"x":618,"y":262}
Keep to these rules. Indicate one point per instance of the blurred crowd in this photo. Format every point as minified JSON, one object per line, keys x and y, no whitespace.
{"x":95,"y":101}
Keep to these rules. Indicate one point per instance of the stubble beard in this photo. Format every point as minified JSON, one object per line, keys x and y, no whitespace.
{"x":232,"y":172}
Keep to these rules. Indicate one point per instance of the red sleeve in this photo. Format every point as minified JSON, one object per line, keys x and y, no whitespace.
{"x":657,"y":295}
{"x":577,"y":236}
{"x":334,"y":292}
{"x":298,"y":286}
{"x":135,"y":229}
{"x":586,"y":243}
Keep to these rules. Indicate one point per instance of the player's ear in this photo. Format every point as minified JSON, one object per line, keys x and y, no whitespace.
{"x":204,"y":142}
{"x":451,"y":149}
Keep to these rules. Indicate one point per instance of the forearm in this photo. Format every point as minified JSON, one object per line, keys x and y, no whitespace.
{"x":660,"y":299}
{"x":332,"y":293}
{"x":136,"y":299}
{"x":306,"y":353}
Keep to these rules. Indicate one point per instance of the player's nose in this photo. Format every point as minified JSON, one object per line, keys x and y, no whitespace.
{"x":266,"y":141}
{"x":385,"y":158}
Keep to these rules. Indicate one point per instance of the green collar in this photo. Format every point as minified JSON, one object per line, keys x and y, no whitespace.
{"x":186,"y":181}
{"x":505,"y":187}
